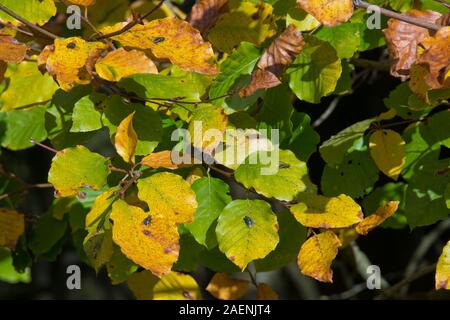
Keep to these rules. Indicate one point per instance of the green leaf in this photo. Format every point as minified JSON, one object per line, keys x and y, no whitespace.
{"x":85,"y":116}
{"x":281,"y":180}
{"x":216,"y":261}
{"x":315,"y":72}
{"x":425,"y":203}
{"x":120,"y":268}
{"x":146,"y":123}
{"x":17,"y":127}
{"x":334,"y":149}
{"x":240,"y":62}
{"x":345,"y":38}
{"x":39,"y":88}
{"x":406,"y":104}
{"x":98,"y":247}
{"x":212,"y":196}
{"x":77,"y":167}
{"x":189,"y":86}
{"x":46,"y":234}
{"x":35,"y":11}
{"x":354,"y":176}
{"x":8,"y":273}
{"x":304,"y":139}
{"x":247,"y":230}
{"x":188,"y":256}
{"x":276,"y":112}
{"x":292,"y":235}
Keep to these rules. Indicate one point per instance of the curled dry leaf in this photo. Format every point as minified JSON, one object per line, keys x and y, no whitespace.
{"x":378,"y":217}
{"x":205,"y":14}
{"x":403,"y":39}
{"x":443,"y":269}
{"x":158,"y":160}
{"x":164,"y":38}
{"x":12,"y":226}
{"x":328,"y":12}
{"x":275,"y":60}
{"x":444,"y":20}
{"x":265,"y":292}
{"x":68,"y":61}
{"x":126,"y":139}
{"x":120,"y":63}
{"x":435,"y":55}
{"x":11,"y":50}
{"x":317,"y":254}
{"x":223,"y":287}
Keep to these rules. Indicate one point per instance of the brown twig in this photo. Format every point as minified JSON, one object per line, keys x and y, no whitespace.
{"x":27,"y":23}
{"x":399,"y":16}
{"x":444,"y":3}
{"x":129,"y":25}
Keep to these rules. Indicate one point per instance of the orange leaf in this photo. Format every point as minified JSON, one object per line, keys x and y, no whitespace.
{"x":171,"y":39}
{"x":328,"y":12}
{"x":11,"y":50}
{"x":158,"y":160}
{"x":317,"y":254}
{"x":378,"y":217}
{"x":223,"y":287}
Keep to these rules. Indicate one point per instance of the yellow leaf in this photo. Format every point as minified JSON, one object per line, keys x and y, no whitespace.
{"x":171,"y":39}
{"x":12,"y":226}
{"x":443,"y":269}
{"x":121,"y":63}
{"x":126,"y":139}
{"x":85,"y":3}
{"x":387,"y":149}
{"x":142,"y":284}
{"x":328,"y":12}
{"x":223,"y":287}
{"x":248,"y":22}
{"x":316,"y":211}
{"x":101,"y":205}
{"x":70,"y":61}
{"x":11,"y":50}
{"x":317,"y":254}
{"x":265,"y":292}
{"x":158,"y":160}
{"x":347,"y":236}
{"x":150,"y":239}
{"x":377,"y":218}
{"x":207,"y":126}
{"x":168,"y":194}
{"x":177,"y":286}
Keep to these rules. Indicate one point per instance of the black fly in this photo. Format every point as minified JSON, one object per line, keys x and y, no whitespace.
{"x":248,"y":221}
{"x":158,"y":40}
{"x":284,"y":165}
{"x":71,"y":45}
{"x":147,"y":221}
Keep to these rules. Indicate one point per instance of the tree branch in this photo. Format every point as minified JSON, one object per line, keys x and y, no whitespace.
{"x":129,"y":25}
{"x":399,"y":16}
{"x":27,"y":23}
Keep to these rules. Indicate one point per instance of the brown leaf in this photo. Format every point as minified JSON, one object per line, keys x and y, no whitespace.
{"x":223,"y":287}
{"x":265,"y":292}
{"x":378,"y":217}
{"x":275,"y":60}
{"x":435,"y":55}
{"x":11,"y":50}
{"x":444,"y":20}
{"x":205,"y":14}
{"x":403,"y":38}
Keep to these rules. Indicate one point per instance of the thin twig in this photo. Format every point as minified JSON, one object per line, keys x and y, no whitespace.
{"x":399,"y":16}
{"x":443,"y":2}
{"x":327,"y":112}
{"x":27,"y":23}
{"x":129,"y":25}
